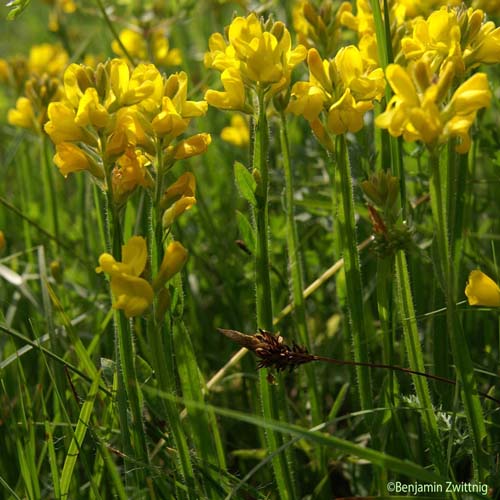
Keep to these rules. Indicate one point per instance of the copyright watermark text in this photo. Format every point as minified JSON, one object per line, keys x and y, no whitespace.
{"x":447,"y":487}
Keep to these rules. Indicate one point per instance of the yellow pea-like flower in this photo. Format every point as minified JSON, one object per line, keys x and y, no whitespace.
{"x":62,"y":126}
{"x":23,"y":114}
{"x":173,"y":261}
{"x":481,"y":290}
{"x":144,"y":85}
{"x":47,"y":58}
{"x":195,"y":145}
{"x":90,"y":111}
{"x":234,"y":95}
{"x":132,"y":293}
{"x":179,"y":197}
{"x":70,"y":158}
{"x":237,"y":133}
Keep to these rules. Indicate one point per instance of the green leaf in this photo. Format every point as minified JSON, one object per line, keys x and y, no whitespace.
{"x":245,"y":182}
{"x":16,"y":8}
{"x":78,"y":437}
{"x":246,"y":231}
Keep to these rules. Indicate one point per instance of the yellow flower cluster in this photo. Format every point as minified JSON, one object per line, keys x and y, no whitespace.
{"x":420,"y":110}
{"x":122,"y":116}
{"x":426,"y":106}
{"x":254,"y":57}
{"x":133,"y":293}
{"x":338,"y":93}
{"x":318,"y":26}
{"x":38,"y":78}
{"x":462,"y":36}
{"x":147,"y":45}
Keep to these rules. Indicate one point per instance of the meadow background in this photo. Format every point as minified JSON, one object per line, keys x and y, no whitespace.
{"x":175,"y":425}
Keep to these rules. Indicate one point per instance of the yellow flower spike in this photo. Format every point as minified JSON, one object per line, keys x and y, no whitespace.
{"x":70,"y":158}
{"x":238,"y":133}
{"x":234,"y":95}
{"x":23,"y":114}
{"x":195,"y":145}
{"x":481,"y":290}
{"x":132,"y":294}
{"x":90,"y":111}
{"x":173,"y":261}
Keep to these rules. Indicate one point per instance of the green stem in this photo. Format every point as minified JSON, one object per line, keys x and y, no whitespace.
{"x":295,"y":267}
{"x":269,"y":395}
{"x":441,"y":194}
{"x":160,"y":335}
{"x":352,"y":269}
{"x":297,"y":282}
{"x":416,"y":360}
{"x":128,"y":386}
{"x":50,"y":193}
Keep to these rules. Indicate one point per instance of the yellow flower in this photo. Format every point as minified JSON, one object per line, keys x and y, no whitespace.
{"x":173,"y":261}
{"x":90,"y":111}
{"x":481,"y":290}
{"x":47,"y":58}
{"x":185,"y":185}
{"x":195,"y":145}
{"x":343,"y":88}
{"x":438,"y":38}
{"x":23,"y":115}
{"x":176,"y":111}
{"x":234,"y":95}
{"x":144,"y":85}
{"x":134,"y":42}
{"x":137,"y":46}
{"x":132,"y":294}
{"x":179,"y":197}
{"x":237,"y":133}
{"x":162,"y":53}
{"x":70,"y":158}
{"x":130,"y":171}
{"x":61,"y":126}
{"x":128,"y":128}
{"x":254,"y":57}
